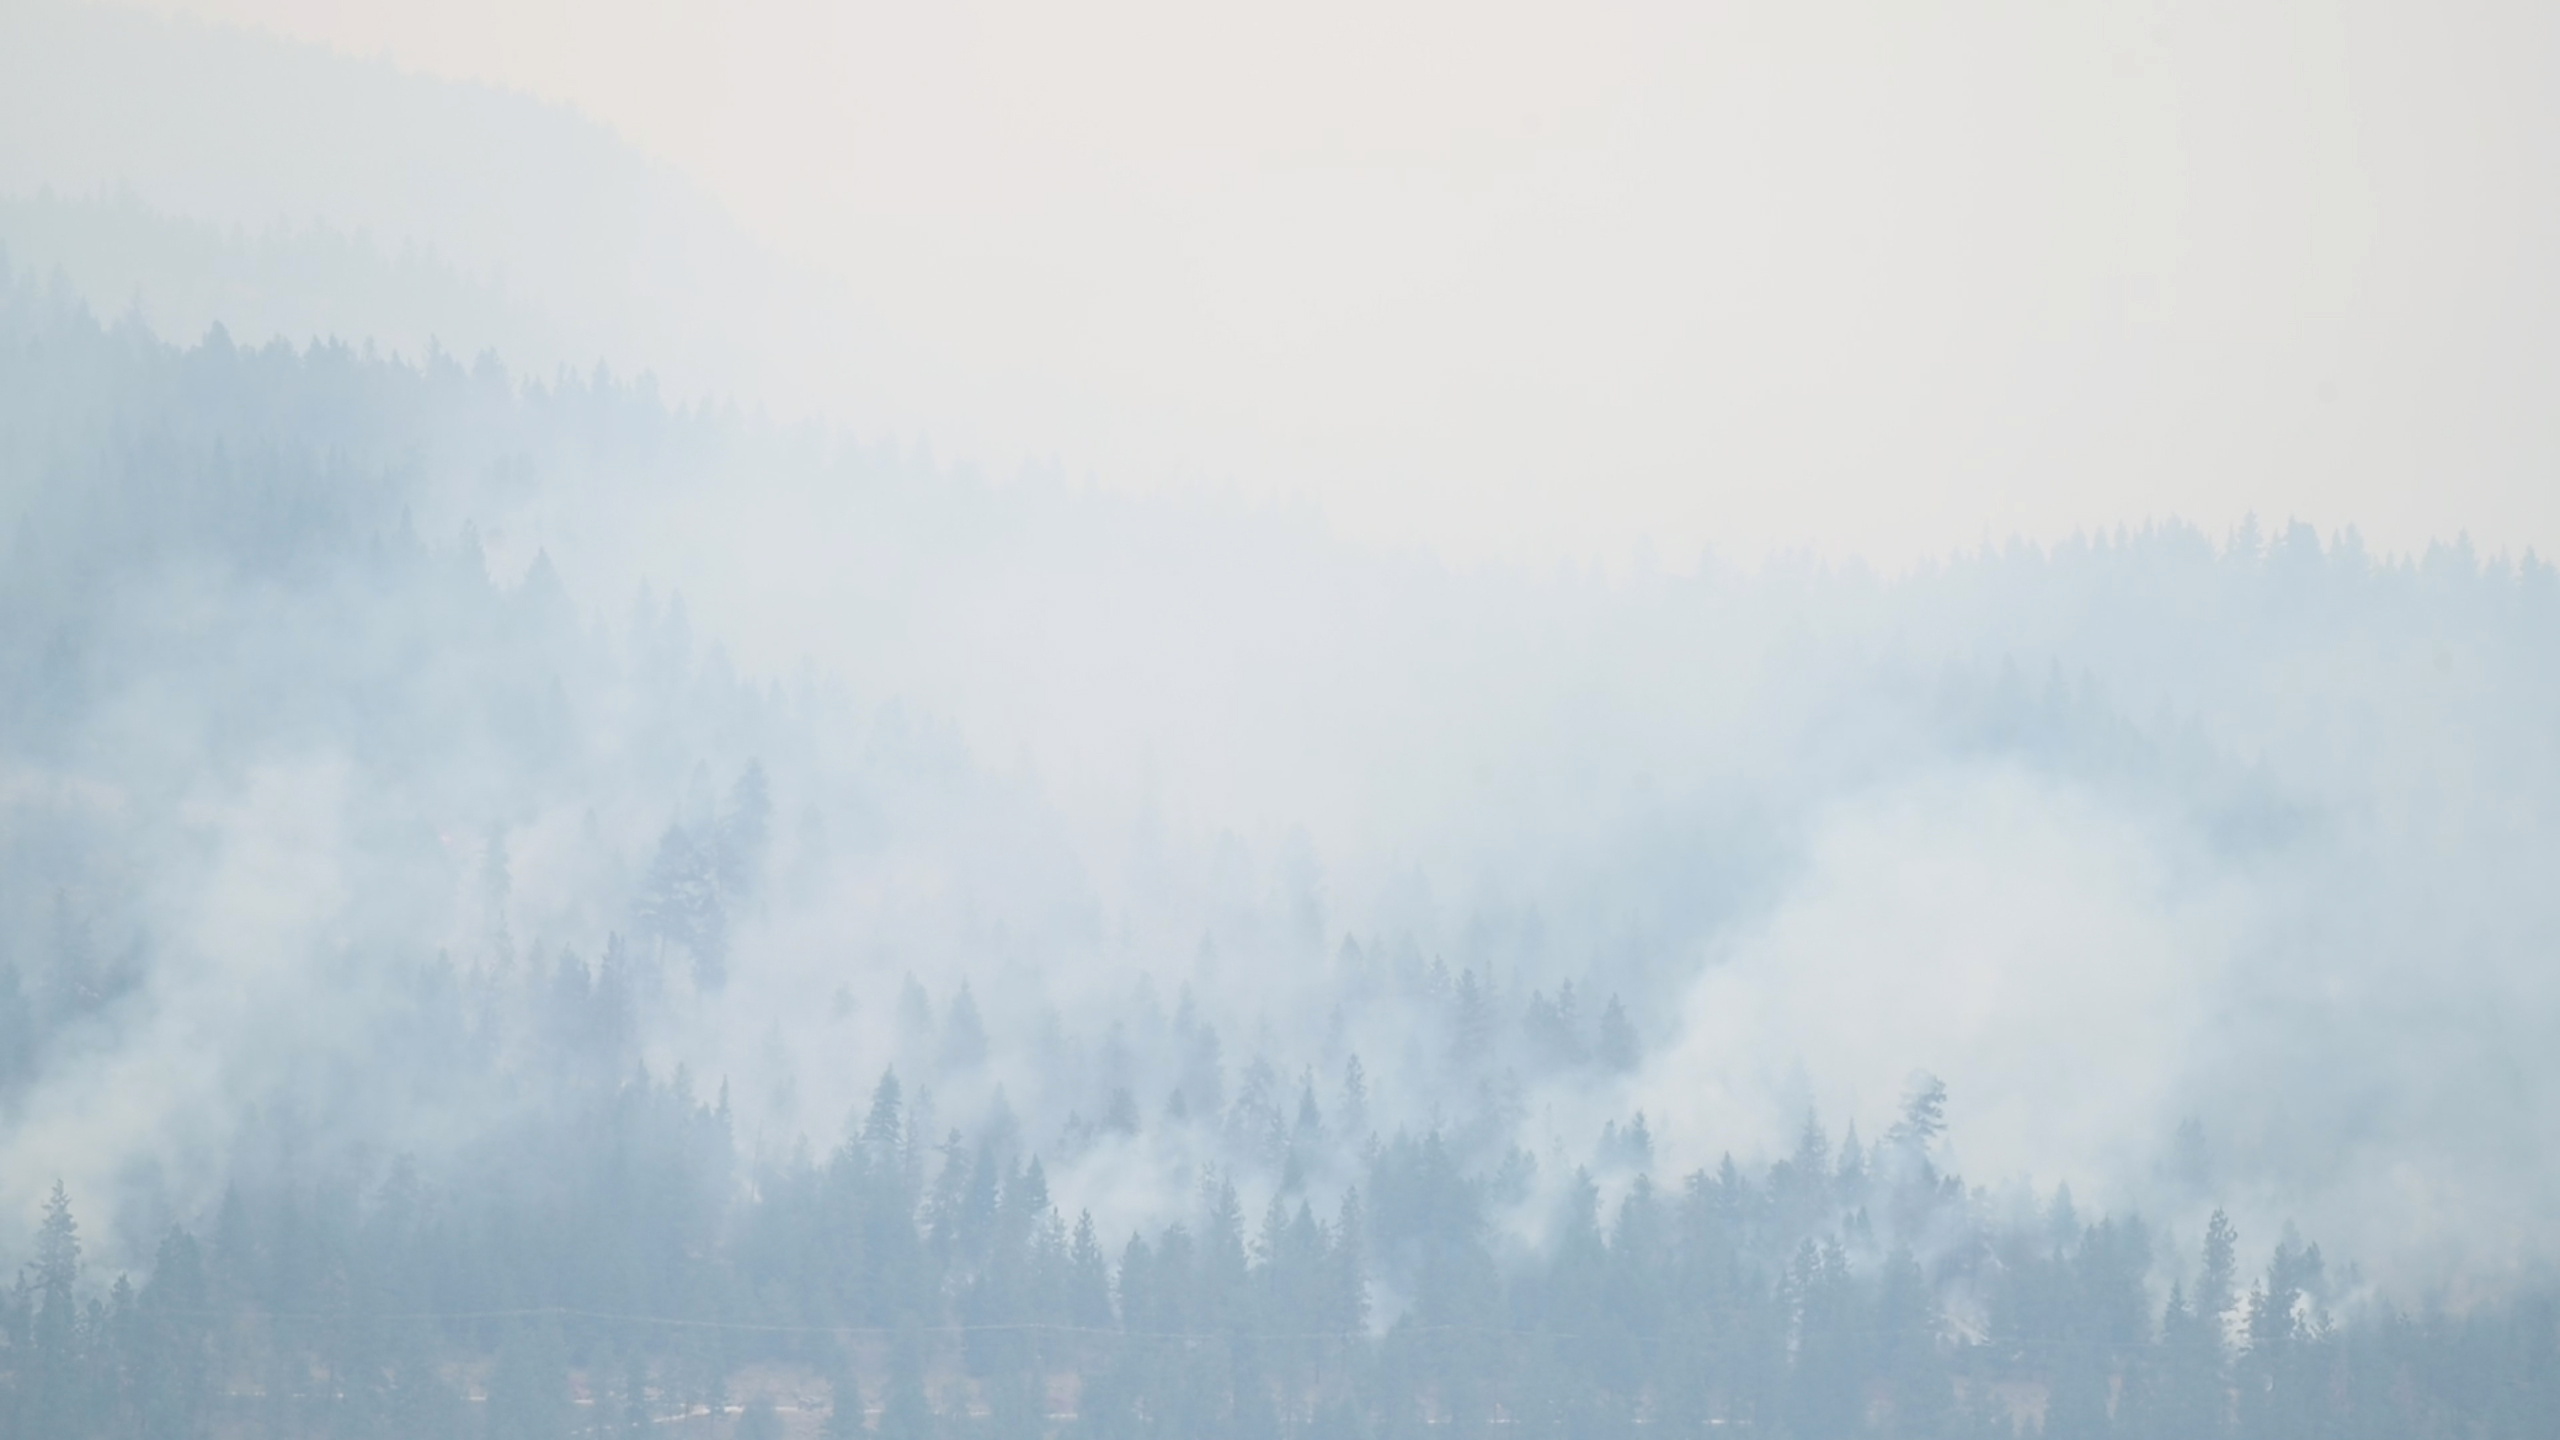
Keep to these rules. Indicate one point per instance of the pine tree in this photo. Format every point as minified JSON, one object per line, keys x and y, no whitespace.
{"x":1924,"y":1114}
{"x":1618,"y":1047}
{"x":964,"y":1035}
{"x":744,"y":833}
{"x":2193,"y":1397}
{"x":1223,"y":1296}
{"x":2216,"y":1282}
{"x":680,"y":902}
{"x":51,"y":1402}
{"x":905,"y":1411}
{"x":172,"y":1362}
{"x":1347,"y":1297}
{"x":1088,"y":1278}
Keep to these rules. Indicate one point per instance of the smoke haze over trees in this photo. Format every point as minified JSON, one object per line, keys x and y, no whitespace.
{"x":538,"y":899}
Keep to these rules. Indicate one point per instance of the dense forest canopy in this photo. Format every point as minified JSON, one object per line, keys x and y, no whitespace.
{"x":564,"y":873}
{"x":437,"y":995}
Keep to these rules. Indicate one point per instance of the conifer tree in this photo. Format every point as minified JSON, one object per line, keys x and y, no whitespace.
{"x":1088,"y":1278}
{"x":906,"y":1413}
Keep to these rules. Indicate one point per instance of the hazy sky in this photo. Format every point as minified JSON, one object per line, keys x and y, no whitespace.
{"x":1542,"y":280}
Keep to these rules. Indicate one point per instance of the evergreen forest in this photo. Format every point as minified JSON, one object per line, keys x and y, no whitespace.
{"x":446,"y":993}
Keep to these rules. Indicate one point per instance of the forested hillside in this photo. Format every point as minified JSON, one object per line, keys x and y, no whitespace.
{"x":635,"y":1276}
{"x":443,"y":992}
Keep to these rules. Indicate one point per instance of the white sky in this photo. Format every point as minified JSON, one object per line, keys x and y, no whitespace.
{"x":1563,"y":280}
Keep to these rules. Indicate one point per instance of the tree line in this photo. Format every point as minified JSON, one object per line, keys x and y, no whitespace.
{"x":642,"y":1272}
